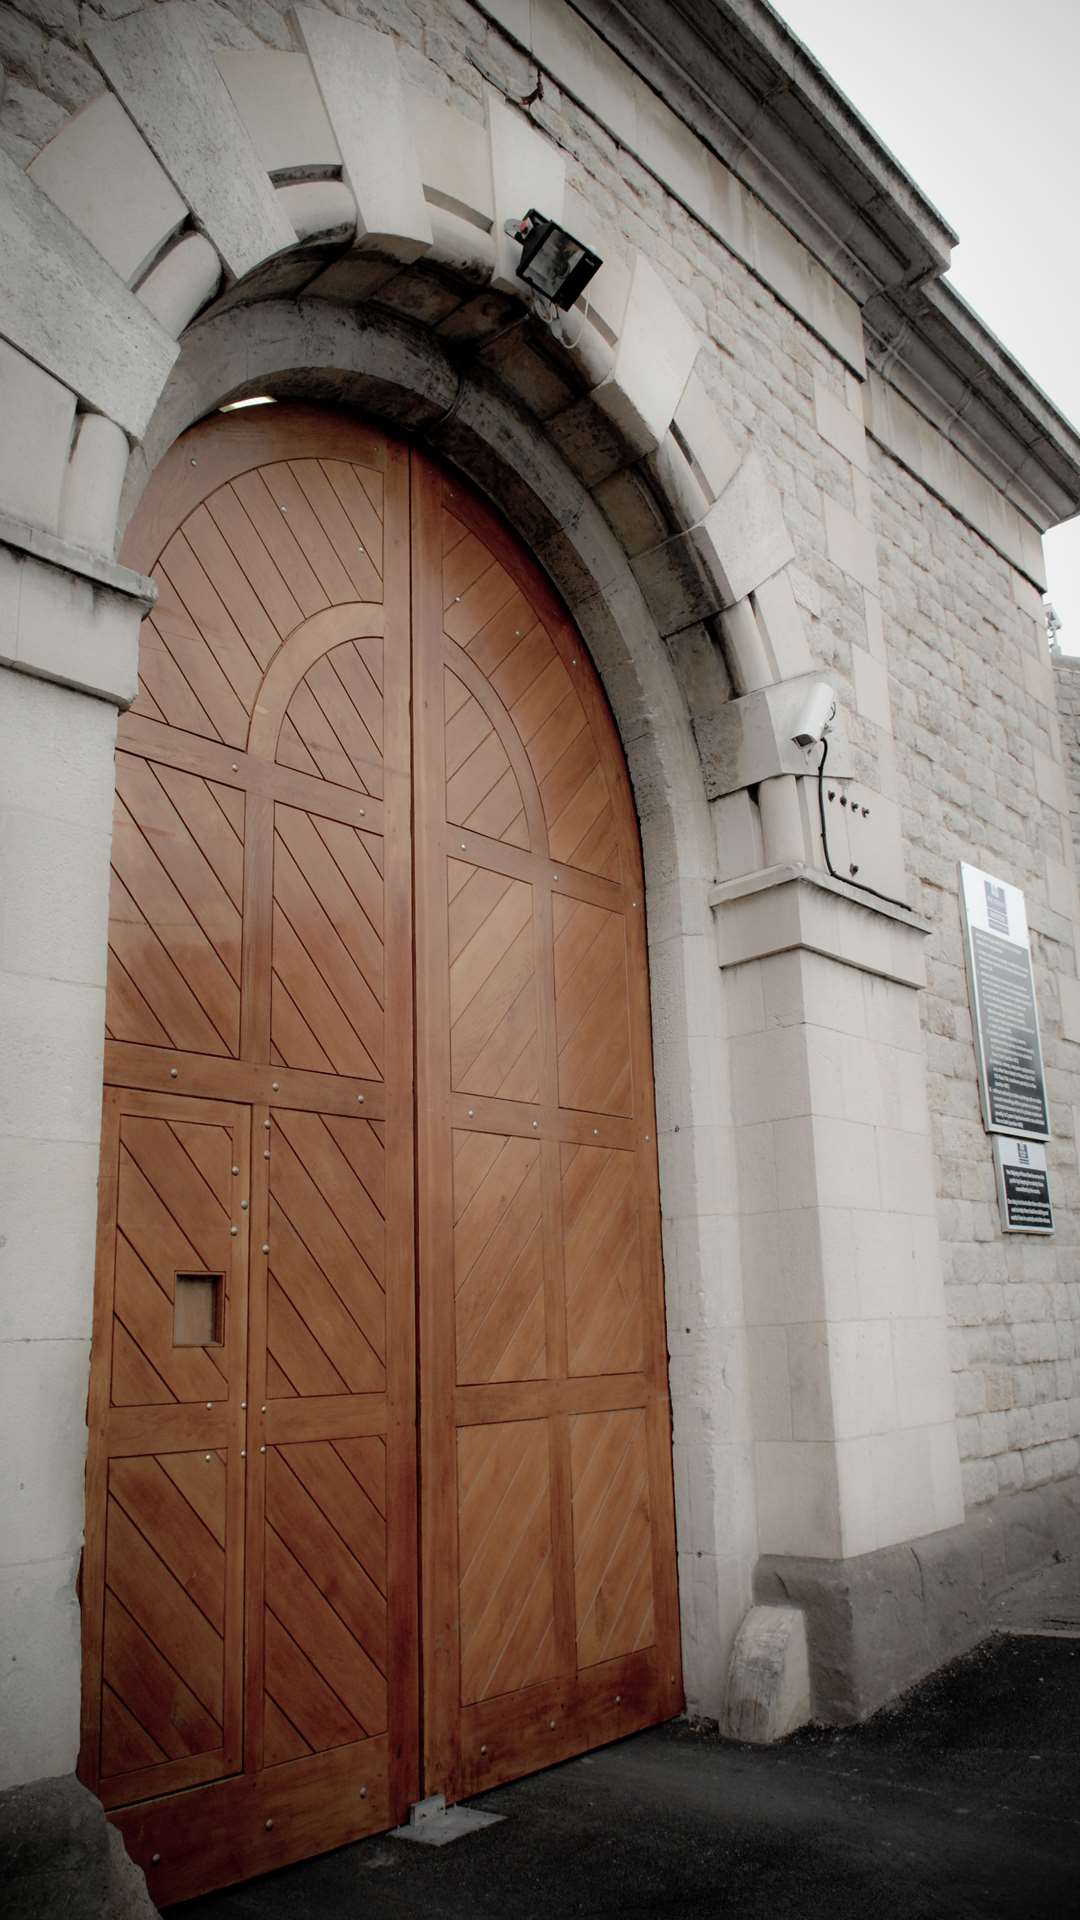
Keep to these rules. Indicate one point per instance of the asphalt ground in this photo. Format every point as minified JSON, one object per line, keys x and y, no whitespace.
{"x":962,"y":1802}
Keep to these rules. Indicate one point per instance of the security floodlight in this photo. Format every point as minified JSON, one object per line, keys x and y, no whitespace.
{"x":553,"y":263}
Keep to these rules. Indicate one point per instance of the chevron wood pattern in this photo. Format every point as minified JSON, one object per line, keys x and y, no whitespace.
{"x":326,"y":1621}
{"x":247,"y":566}
{"x":175,"y":909}
{"x":499,"y":628}
{"x":601,"y":1260}
{"x":172,"y":1217}
{"x":328,"y":987}
{"x":376,"y":978}
{"x":613,"y":1584}
{"x":506,"y":1586}
{"x":592,"y":1011}
{"x":498,"y":1258}
{"x":326,"y":1309}
{"x":482,"y":790}
{"x":493,"y":992}
{"x":333,"y":725}
{"x":164,"y":1658}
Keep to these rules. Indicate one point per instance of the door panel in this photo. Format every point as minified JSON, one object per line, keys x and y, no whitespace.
{"x":345,"y":645}
{"x":547,"y":1545}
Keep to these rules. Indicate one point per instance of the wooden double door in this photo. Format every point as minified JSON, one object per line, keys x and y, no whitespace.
{"x":379,"y":1490}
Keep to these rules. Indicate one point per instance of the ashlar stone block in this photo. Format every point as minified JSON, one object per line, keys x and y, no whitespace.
{"x":527,"y":170}
{"x":162,"y":66}
{"x":356,"y":69}
{"x":182,"y":283}
{"x":278,"y":100}
{"x":65,"y":307}
{"x":99,"y":170}
{"x":38,"y":416}
{"x":653,"y":361}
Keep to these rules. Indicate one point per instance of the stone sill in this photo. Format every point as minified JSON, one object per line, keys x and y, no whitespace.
{"x":57,"y":552}
{"x":796,"y":906}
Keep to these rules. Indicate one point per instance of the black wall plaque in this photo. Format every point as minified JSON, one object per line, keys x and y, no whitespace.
{"x":1011,"y":1078}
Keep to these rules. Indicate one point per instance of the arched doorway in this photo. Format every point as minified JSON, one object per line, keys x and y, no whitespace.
{"x":379,"y":1246}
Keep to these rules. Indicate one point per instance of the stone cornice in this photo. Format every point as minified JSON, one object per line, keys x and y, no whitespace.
{"x":732,"y":71}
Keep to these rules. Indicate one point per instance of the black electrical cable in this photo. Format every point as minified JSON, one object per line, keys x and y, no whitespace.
{"x":843,"y":877}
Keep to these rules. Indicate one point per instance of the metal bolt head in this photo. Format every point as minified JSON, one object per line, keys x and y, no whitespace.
{"x":262,"y":1409}
{"x":483,"y":1749}
{"x":266,"y":1153}
{"x":243,"y":1453}
{"x":155,"y":1858}
{"x":359,"y":1099}
{"x":270,"y":1823}
{"x":209,"y":1406}
{"x":363,"y":1793}
{"x":618,"y":1699}
{"x":243,"y":1206}
{"x":266,"y":1246}
{"x":275,"y":1086}
{"x":236,"y":1169}
{"x":234,"y":1231}
{"x":172,"y":1073}
{"x":551,"y":1724}
{"x":536,"y":1123}
{"x":209,"y":1456}
{"x":262,"y":1449}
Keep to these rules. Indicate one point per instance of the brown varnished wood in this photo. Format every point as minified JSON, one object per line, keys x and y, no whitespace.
{"x":263,"y":850}
{"x":348,"y":646}
{"x":543,"y":1368}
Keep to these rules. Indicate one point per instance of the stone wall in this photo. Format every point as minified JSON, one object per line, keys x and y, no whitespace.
{"x":933,"y":642}
{"x":1067,"y":684}
{"x":979,"y":760}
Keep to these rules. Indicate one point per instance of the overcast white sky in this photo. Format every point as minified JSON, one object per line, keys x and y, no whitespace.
{"x":979,"y":100}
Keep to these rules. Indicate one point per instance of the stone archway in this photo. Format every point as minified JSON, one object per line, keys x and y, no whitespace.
{"x":609,"y":458}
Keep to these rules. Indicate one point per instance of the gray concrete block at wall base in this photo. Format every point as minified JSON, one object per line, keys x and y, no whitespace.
{"x":880,"y":1622}
{"x":61,"y":1860}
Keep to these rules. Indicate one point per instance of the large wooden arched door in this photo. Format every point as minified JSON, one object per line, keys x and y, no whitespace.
{"x":379,"y":1494}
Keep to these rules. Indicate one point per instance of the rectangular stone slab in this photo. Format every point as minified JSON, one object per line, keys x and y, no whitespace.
{"x":358,"y":77}
{"x":163,"y":69}
{"x":65,"y":308}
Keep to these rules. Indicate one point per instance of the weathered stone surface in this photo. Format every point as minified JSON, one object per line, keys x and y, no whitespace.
{"x":67,"y":310}
{"x":359,"y":79}
{"x":161,"y":65}
{"x":61,"y":1859}
{"x":881,"y":1622}
{"x":102,"y":174}
{"x":768,"y":1693}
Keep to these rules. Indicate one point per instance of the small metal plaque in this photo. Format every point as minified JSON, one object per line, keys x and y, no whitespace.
{"x":1023,"y":1186}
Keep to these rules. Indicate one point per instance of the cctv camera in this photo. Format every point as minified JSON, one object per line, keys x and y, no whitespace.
{"x":816,"y":715}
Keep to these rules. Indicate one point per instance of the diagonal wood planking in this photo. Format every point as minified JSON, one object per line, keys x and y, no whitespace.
{"x":506,"y":1585}
{"x":498,"y":1258}
{"x":326,"y":1307}
{"x":613,"y":1588}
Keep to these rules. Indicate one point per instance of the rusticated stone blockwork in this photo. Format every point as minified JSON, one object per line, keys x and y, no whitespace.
{"x":1067,"y":684}
{"x":977,"y":755}
{"x":740,"y":487}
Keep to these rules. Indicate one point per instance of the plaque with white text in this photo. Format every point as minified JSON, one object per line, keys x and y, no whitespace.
{"x":1011,"y":1078}
{"x":1023,"y":1182}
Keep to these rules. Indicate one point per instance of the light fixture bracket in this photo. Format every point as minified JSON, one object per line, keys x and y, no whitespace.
{"x":556,"y":266}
